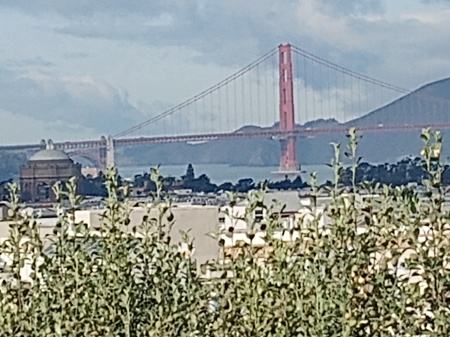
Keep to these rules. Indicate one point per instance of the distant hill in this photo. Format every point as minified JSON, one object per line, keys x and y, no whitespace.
{"x":428,"y":104}
{"x":251,"y":152}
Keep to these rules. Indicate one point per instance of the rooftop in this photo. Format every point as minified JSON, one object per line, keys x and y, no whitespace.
{"x":49,"y":155}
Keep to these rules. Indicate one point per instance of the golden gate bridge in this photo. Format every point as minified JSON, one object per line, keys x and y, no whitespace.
{"x":285,"y":94}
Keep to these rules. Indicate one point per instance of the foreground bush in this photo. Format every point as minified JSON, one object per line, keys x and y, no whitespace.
{"x":374,"y":263}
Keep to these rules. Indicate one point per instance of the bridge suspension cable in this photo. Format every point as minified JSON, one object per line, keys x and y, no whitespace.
{"x":325,"y":91}
{"x":419,"y":95}
{"x":246,"y":105}
{"x":198,"y":96}
{"x":347,"y":71}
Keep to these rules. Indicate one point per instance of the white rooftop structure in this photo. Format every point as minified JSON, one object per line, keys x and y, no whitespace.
{"x":49,"y":155}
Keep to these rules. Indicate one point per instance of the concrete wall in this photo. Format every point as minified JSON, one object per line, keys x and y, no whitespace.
{"x":3,"y":212}
{"x":45,"y":226}
{"x":199,"y":220}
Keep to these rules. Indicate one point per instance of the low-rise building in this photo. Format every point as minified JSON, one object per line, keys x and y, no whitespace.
{"x":293,"y":210}
{"x":197,"y":221}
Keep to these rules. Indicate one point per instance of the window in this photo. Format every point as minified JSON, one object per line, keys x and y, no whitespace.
{"x":259,"y":215}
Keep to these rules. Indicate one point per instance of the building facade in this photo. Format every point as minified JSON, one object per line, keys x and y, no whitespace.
{"x":42,"y":171}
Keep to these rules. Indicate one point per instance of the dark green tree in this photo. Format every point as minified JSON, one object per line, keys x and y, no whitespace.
{"x":190,"y":175}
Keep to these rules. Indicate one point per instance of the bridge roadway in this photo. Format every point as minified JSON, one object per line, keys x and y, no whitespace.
{"x":71,"y":146}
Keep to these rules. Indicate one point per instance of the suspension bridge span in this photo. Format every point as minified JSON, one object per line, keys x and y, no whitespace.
{"x":285,"y":94}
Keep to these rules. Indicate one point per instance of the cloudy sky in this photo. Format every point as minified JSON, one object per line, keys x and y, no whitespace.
{"x":85,"y":68}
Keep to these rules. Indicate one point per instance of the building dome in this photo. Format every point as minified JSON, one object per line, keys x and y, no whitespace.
{"x":49,"y":155}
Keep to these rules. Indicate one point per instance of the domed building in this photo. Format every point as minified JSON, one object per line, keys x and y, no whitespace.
{"x":42,"y":171}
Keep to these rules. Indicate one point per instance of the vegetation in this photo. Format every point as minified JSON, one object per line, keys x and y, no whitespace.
{"x":374,"y":263}
{"x":406,"y":171}
{"x":90,"y":186}
{"x":203,"y":183}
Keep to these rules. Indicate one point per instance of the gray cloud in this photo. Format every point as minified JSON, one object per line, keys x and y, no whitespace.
{"x":28,"y":63}
{"x":75,"y":55}
{"x":232,"y":32}
{"x":80,"y":102}
{"x":226,"y":32}
{"x":351,"y":7}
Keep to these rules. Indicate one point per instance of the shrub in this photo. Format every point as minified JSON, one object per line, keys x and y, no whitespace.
{"x":373,"y":262}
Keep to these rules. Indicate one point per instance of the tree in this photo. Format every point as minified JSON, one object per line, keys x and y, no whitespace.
{"x":226,"y":186}
{"x":244,"y":185}
{"x":203,"y":184}
{"x":190,"y":175}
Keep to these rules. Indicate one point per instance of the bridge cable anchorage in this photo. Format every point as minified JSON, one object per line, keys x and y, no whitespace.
{"x":198,"y":96}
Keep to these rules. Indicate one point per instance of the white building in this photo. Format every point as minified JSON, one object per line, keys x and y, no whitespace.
{"x":293,"y":210}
